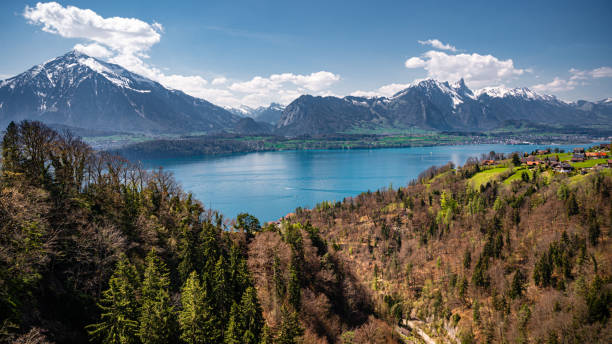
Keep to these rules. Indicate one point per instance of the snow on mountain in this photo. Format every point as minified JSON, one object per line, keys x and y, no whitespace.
{"x":81,"y":91}
{"x":503,"y":92}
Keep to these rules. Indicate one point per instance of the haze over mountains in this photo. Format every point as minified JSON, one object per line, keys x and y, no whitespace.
{"x":81,"y":91}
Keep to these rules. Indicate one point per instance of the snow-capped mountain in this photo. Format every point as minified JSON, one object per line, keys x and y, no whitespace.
{"x":268,"y":114}
{"x":432,"y":104}
{"x":82,"y":91}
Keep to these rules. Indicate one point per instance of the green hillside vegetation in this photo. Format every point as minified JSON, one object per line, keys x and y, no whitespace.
{"x":95,"y":249}
{"x":488,"y":175}
{"x":528,"y":261}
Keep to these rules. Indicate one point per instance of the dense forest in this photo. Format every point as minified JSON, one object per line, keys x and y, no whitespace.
{"x":94,"y":248}
{"x":527,"y":260}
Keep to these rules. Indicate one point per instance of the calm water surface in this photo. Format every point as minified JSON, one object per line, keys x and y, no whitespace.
{"x":270,"y":185}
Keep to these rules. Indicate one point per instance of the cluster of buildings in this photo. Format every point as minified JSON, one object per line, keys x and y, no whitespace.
{"x":578,"y":155}
{"x":543,"y":157}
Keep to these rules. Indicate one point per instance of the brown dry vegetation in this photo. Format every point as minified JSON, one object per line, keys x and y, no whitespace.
{"x":409,"y":247}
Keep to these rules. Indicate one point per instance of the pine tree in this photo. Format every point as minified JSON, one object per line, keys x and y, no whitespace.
{"x":290,"y":328}
{"x":251,"y":316}
{"x":279,"y":280}
{"x":234,"y":331}
{"x":295,"y":291}
{"x":119,"y":305}
{"x":11,"y":157}
{"x":221,"y":296}
{"x":198,"y":323}
{"x":518,"y":285}
{"x":266,"y":336}
{"x":157,"y":318}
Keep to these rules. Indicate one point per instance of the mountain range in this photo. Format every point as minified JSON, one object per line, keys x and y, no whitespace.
{"x":269,"y":114}
{"x":80,"y":91}
{"x":443,"y":106}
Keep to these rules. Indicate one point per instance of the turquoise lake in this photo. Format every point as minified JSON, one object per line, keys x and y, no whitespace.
{"x":269,"y":185}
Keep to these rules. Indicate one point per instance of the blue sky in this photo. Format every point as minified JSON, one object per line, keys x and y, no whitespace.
{"x":255,"y":52}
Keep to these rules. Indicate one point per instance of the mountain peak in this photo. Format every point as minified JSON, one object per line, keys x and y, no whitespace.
{"x":82,"y":91}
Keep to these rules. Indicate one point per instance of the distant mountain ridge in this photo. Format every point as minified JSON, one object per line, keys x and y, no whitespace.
{"x":436,"y":105}
{"x":268,"y":114}
{"x":79,"y":91}
{"x":82,"y":91}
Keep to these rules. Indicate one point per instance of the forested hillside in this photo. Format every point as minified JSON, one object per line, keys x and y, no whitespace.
{"x":93,"y":248}
{"x":465,"y":257}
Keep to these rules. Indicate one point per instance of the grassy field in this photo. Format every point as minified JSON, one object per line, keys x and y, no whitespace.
{"x":589,"y":163}
{"x":517,"y":175}
{"x":485,"y":176}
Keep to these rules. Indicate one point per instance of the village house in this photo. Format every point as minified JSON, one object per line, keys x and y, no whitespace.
{"x":596,"y":155}
{"x":543,"y":151}
{"x":564,"y":167}
{"x":488,"y":162}
{"x":578,"y":150}
{"x":578,"y":157}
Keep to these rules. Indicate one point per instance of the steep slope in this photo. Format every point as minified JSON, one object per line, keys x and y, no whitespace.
{"x":526,"y":261}
{"x":81,"y":91}
{"x":435,"y":105}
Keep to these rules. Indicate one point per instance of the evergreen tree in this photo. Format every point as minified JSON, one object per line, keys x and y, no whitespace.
{"x":119,"y":304}
{"x":295,"y":291}
{"x":467,"y":259}
{"x":518,"y":285}
{"x":198,"y":323}
{"x":290,"y":328}
{"x":11,"y":156}
{"x":157,"y":318}
{"x":572,"y":205}
{"x":266,"y":336}
{"x":251,"y":317}
{"x":221,"y":294}
{"x":237,"y":273}
{"x":279,"y":280}
{"x":542,"y":272}
{"x":234,"y":331}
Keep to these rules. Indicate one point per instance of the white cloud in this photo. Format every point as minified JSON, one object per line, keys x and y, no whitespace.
{"x":438,"y":45}
{"x":577,"y":78}
{"x":601,"y":72}
{"x":557,"y":85}
{"x":477,"y":70}
{"x":94,"y":49}
{"x":415,"y":62}
{"x":128,"y":35}
{"x":126,"y":41}
{"x":219,"y":80}
{"x":283,"y":87}
{"x":383,"y":91}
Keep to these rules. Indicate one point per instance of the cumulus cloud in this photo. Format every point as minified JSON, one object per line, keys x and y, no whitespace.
{"x":128,"y":35}
{"x":557,"y":85}
{"x":577,"y":78}
{"x":126,"y":42}
{"x":477,"y":70}
{"x":94,"y":49}
{"x":435,"y":43}
{"x":383,"y":91}
{"x":285,"y":86}
{"x":219,"y":80}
